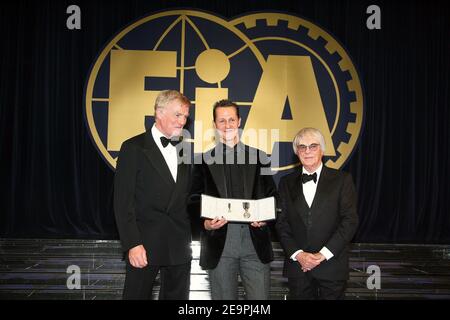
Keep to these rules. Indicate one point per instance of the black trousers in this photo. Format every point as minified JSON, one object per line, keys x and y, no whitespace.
{"x":307,"y":287}
{"x":175,"y":282}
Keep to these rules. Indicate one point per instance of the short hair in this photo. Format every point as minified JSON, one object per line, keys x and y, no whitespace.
{"x":308,"y":131}
{"x":223,"y":104}
{"x":167,"y":96}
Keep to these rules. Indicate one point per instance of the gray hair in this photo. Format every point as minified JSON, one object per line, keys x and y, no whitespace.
{"x":167,"y":96}
{"x":306,"y":132}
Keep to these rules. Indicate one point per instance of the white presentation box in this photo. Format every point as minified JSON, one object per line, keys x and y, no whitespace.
{"x":238,"y":210}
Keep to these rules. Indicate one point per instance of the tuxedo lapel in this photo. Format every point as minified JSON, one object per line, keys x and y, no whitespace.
{"x":296,"y":194}
{"x":217,"y":173}
{"x":156,"y":158}
{"x":180,"y":185}
{"x":321,"y":191}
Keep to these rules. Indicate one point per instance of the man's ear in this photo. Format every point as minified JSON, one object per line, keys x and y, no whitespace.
{"x":239,"y":122}
{"x":158,"y":113}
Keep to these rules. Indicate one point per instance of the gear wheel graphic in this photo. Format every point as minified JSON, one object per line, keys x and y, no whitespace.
{"x":273,"y":32}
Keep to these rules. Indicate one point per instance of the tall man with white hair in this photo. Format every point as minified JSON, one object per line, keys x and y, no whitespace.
{"x":150,"y":198}
{"x":317,"y":222}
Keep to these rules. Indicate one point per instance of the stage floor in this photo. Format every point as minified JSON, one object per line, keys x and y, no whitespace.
{"x":38,"y":269}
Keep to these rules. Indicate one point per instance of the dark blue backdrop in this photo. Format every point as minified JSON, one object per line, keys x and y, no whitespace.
{"x":55,"y":184}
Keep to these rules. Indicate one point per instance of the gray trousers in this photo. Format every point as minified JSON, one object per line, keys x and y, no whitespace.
{"x":239,"y":256}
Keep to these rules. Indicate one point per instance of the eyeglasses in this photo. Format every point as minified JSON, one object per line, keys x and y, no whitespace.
{"x":312,"y":147}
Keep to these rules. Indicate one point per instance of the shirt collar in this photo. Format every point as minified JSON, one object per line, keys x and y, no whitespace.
{"x":157,"y":134}
{"x":222,"y":147}
{"x":318,"y":171}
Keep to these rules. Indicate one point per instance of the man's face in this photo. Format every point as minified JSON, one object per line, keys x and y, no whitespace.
{"x":227,"y":124}
{"x":172,"y":118}
{"x":311,"y":156}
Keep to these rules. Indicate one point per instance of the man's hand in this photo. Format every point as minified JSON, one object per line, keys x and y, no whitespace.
{"x":215,"y":223}
{"x":138,"y":256}
{"x":309,"y":261}
{"x":258,"y":224}
{"x":320,"y":256}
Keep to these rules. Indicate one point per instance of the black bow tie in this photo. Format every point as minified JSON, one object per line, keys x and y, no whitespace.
{"x":309,"y":177}
{"x":165,"y":141}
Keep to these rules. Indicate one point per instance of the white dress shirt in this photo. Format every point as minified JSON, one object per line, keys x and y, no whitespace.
{"x":169,"y":153}
{"x":309,"y":192}
{"x":310,"y":187}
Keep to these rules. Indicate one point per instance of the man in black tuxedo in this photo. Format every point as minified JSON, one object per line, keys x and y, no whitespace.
{"x":234,"y":170}
{"x":317,"y":222}
{"x":150,"y":196}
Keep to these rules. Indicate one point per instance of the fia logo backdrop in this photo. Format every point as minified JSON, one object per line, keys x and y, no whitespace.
{"x":284,"y":71}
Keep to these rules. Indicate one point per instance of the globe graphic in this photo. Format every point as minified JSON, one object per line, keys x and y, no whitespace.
{"x":211,"y":53}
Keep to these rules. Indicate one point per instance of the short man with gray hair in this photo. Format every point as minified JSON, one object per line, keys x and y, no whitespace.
{"x":150,"y":199}
{"x":317,"y":222}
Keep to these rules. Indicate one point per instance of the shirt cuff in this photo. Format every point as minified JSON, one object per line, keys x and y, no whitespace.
{"x":295,"y":254}
{"x":327,"y":253}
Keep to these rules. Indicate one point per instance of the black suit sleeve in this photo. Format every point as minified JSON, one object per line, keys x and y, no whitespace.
{"x":124,"y":194}
{"x":348,"y":218}
{"x":282,"y":226}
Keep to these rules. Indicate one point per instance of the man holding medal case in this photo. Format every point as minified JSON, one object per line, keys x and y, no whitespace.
{"x":232,"y":170}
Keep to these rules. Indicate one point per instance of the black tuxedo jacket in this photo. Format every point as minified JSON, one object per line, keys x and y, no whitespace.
{"x":332,"y":222}
{"x":150,"y":208}
{"x":209,"y":179}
